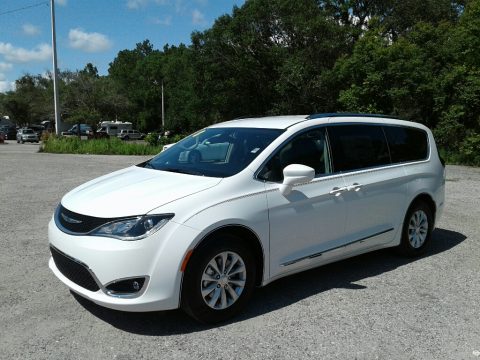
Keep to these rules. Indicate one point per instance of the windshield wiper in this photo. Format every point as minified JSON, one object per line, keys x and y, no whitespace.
{"x":182,"y":171}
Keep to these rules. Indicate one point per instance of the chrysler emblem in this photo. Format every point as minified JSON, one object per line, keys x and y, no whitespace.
{"x":70,"y":220}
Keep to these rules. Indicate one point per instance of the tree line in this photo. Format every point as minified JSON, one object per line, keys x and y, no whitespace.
{"x":415,"y":60}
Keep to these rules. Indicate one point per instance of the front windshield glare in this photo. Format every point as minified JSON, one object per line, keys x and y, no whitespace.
{"x":214,"y":152}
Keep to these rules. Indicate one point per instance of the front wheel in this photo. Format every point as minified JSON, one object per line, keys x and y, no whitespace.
{"x":417,"y":230}
{"x":219,"y":279}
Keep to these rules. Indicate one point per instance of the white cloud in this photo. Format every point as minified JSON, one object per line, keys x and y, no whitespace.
{"x":5,"y":66}
{"x":20,"y":55}
{"x":198,"y":18}
{"x":136,"y":4}
{"x":89,"y":42}
{"x":6,"y":86}
{"x":30,"y":30}
{"x":61,"y":2}
{"x":166,"y":21}
{"x":202,"y":2}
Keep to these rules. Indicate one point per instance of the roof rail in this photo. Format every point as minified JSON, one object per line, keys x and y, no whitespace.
{"x":325,"y":115}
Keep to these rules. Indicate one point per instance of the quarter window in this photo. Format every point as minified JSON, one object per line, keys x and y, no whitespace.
{"x":406,"y":144}
{"x":309,"y":148}
{"x":358,"y":146}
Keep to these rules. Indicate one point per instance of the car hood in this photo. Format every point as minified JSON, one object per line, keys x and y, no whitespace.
{"x":133,"y":191}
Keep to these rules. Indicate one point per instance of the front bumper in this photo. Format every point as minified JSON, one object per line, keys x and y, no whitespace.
{"x":157,"y":257}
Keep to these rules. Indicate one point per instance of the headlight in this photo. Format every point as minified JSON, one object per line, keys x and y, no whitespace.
{"x":135,"y":228}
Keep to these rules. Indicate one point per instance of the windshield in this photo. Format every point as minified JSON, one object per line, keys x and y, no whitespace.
{"x":28,"y":131}
{"x":214,"y":152}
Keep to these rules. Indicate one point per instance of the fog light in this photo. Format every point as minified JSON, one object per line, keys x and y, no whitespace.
{"x":136,"y":285}
{"x":126,"y":287}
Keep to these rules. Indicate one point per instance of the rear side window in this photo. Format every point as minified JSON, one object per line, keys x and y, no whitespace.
{"x":406,"y":144}
{"x":358,"y":146}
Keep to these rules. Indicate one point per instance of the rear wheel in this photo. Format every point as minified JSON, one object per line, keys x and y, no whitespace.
{"x":417,"y":230}
{"x":219,"y":279}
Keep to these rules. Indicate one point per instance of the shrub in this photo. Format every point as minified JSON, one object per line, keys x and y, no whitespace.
{"x":470,"y":150}
{"x":152,"y":139}
{"x":113,"y":146}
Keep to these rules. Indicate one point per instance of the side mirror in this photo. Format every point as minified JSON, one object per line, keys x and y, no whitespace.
{"x":295,"y":174}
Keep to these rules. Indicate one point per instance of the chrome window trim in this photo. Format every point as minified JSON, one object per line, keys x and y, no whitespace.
{"x":298,"y":133}
{"x":350,"y":172}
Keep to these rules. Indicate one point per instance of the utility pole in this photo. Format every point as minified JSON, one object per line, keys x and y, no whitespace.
{"x":163,"y":111}
{"x":55,"y":70}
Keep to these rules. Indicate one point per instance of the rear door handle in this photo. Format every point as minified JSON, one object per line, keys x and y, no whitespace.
{"x":354,"y":187}
{"x":338,"y":190}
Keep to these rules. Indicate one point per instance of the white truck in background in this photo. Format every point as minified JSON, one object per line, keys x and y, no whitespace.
{"x":113,"y":128}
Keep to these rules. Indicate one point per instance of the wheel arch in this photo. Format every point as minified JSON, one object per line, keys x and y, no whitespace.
{"x":426,"y":198}
{"x":251,"y":239}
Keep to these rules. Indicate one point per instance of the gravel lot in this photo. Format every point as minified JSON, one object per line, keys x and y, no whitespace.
{"x":373,"y":306}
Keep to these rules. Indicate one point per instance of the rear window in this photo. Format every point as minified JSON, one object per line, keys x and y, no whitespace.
{"x":406,"y":144}
{"x":358,"y":146}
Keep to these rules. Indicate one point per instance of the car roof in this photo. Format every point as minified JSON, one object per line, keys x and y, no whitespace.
{"x":284,"y":122}
{"x":269,"y":122}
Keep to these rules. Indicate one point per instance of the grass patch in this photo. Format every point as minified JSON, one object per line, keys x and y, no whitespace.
{"x":113,"y":146}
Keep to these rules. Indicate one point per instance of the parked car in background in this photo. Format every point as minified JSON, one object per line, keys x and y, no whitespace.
{"x":9,"y":131}
{"x":39,"y":129}
{"x":84,"y":130}
{"x":98,"y":135}
{"x":131,"y":135}
{"x":243,"y":203}
{"x":27,"y":135}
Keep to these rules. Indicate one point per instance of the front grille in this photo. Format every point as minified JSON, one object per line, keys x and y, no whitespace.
{"x":78,"y":223}
{"x":74,"y":270}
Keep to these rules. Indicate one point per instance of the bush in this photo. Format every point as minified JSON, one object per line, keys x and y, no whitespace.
{"x":470,"y":150}
{"x":113,"y":146}
{"x":450,"y":130}
{"x":152,"y":139}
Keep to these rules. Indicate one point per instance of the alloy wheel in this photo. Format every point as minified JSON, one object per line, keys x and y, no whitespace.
{"x":223,"y":280}
{"x":418,"y":229}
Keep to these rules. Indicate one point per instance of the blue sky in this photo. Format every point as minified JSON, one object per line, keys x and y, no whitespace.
{"x":94,"y":31}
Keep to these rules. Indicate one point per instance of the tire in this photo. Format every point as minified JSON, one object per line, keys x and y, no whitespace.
{"x":126,"y":138}
{"x":224,"y":294}
{"x":417,"y":230}
{"x":23,"y":142}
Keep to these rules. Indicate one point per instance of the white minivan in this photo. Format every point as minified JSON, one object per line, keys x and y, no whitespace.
{"x":242,"y":203}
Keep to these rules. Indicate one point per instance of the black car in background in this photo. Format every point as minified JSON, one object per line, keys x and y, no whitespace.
{"x":9,"y":131}
{"x":39,"y":129}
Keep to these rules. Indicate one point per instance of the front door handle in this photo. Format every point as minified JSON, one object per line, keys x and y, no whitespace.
{"x":338,"y":190}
